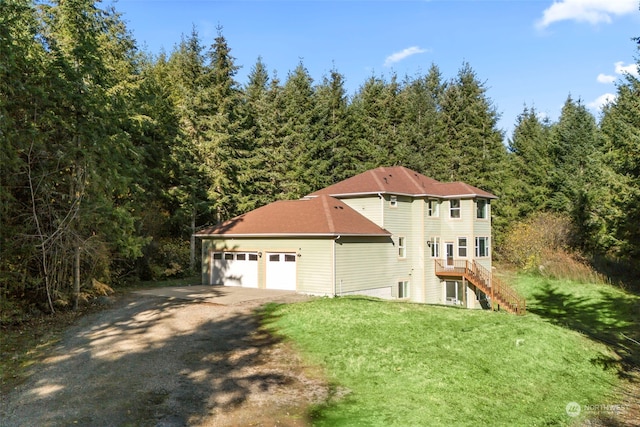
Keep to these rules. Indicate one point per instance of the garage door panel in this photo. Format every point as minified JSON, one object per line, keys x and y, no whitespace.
{"x":281,"y":271}
{"x":235,"y":269}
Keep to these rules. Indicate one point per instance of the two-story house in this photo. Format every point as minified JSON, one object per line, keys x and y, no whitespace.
{"x":389,"y":232}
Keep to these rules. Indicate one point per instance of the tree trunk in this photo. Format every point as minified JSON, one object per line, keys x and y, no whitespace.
{"x":192,"y":259}
{"x":76,"y":279}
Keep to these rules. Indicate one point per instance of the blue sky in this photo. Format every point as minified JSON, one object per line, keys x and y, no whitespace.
{"x":533,"y":52}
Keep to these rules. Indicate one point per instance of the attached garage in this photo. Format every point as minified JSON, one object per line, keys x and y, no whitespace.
{"x":234,"y":269}
{"x":287,"y":245}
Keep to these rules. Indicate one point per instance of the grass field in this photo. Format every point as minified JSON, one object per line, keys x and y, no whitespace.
{"x":408,"y":364}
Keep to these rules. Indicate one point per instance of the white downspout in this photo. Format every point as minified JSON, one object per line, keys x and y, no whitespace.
{"x":335,"y":272}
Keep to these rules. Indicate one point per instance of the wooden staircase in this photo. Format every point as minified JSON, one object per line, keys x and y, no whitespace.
{"x":501,"y":295}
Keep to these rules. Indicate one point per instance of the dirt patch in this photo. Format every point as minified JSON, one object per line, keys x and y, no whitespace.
{"x":159,"y":362}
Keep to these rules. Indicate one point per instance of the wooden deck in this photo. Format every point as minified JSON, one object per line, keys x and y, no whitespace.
{"x":502,"y":296}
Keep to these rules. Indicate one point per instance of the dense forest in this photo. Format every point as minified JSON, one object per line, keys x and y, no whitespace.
{"x":113,"y":157}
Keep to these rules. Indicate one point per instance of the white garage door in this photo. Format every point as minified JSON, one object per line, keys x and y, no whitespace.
{"x":235,"y":269}
{"x":281,"y":271}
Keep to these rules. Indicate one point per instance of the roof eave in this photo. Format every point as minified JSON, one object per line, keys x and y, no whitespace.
{"x":328,"y":235}
{"x":439,"y":196}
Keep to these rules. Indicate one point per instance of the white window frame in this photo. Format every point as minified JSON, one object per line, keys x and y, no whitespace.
{"x":480,"y":253}
{"x":457,"y":210}
{"x":482,"y":209}
{"x":433,"y":208}
{"x":402,"y":247}
{"x":404,"y":289}
{"x":435,"y":247}
{"x":461,"y":246}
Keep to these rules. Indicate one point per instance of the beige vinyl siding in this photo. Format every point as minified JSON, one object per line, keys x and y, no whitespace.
{"x":314,"y":266}
{"x":400,"y":221}
{"x":370,"y":207}
{"x":482,"y":228}
{"x":364,"y":263}
{"x":432,"y":228}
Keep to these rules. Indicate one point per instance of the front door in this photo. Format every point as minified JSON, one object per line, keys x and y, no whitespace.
{"x":449,"y":253}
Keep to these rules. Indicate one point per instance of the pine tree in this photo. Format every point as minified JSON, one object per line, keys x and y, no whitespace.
{"x":334,"y":153}
{"x":376,"y":113}
{"x":221,"y":149}
{"x":530,"y":163}
{"x":621,"y":129}
{"x":299,"y":134}
{"x":576,"y":168}
{"x":473,"y":152}
{"x":261,"y":181}
{"x":420,"y":125}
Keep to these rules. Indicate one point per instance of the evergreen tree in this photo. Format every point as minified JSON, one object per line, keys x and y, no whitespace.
{"x":334,"y":138}
{"x":261,"y":181}
{"x":530,"y":164}
{"x":473,"y":150}
{"x":300,"y":135}
{"x":621,"y":129}
{"x":420,"y":126}
{"x":375,"y":109}
{"x":576,"y":168}
{"x":222,"y":148}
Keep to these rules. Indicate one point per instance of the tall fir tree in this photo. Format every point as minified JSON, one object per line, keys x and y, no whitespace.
{"x":530,"y":163}
{"x":222,"y":149}
{"x":621,"y":129}
{"x":576,"y":168}
{"x":299,"y":134}
{"x":334,"y":152}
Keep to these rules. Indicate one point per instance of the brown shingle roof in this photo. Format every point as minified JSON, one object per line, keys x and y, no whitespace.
{"x":401,"y":181}
{"x":320,"y":216}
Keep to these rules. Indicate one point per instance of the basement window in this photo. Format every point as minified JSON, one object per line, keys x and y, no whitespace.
{"x":403,"y":289}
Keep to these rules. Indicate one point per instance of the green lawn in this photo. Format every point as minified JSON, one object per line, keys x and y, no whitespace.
{"x":409,"y":365}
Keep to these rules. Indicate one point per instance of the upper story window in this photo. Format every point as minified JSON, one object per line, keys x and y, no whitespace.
{"x":433,"y":208}
{"x":435,"y":247}
{"x":402,"y":247}
{"x":481,"y":209}
{"x":482,"y":247}
{"x":454,"y":208}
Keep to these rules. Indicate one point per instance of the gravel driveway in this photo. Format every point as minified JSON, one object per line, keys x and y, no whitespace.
{"x":159,"y":360}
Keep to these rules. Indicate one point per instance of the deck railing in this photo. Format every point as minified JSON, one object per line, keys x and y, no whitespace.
{"x":500,"y":294}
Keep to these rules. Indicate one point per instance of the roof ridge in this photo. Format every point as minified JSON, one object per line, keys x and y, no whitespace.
{"x":327,"y":213}
{"x":412,"y":178}
{"x":375,"y":177}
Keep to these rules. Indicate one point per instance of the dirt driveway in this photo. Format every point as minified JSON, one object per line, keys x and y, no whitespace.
{"x":169,"y":357}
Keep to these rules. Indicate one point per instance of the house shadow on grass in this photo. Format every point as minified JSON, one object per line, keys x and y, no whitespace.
{"x":157,"y":361}
{"x":611,"y":320}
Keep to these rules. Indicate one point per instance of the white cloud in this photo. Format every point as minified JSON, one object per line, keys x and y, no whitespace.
{"x":601,"y":101}
{"x":403,"y":54}
{"x":605,"y":78}
{"x":626,"y":69}
{"x":591,"y":11}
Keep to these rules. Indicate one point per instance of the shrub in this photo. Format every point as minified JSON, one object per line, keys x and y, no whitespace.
{"x":527,"y":242}
{"x":543,"y":243}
